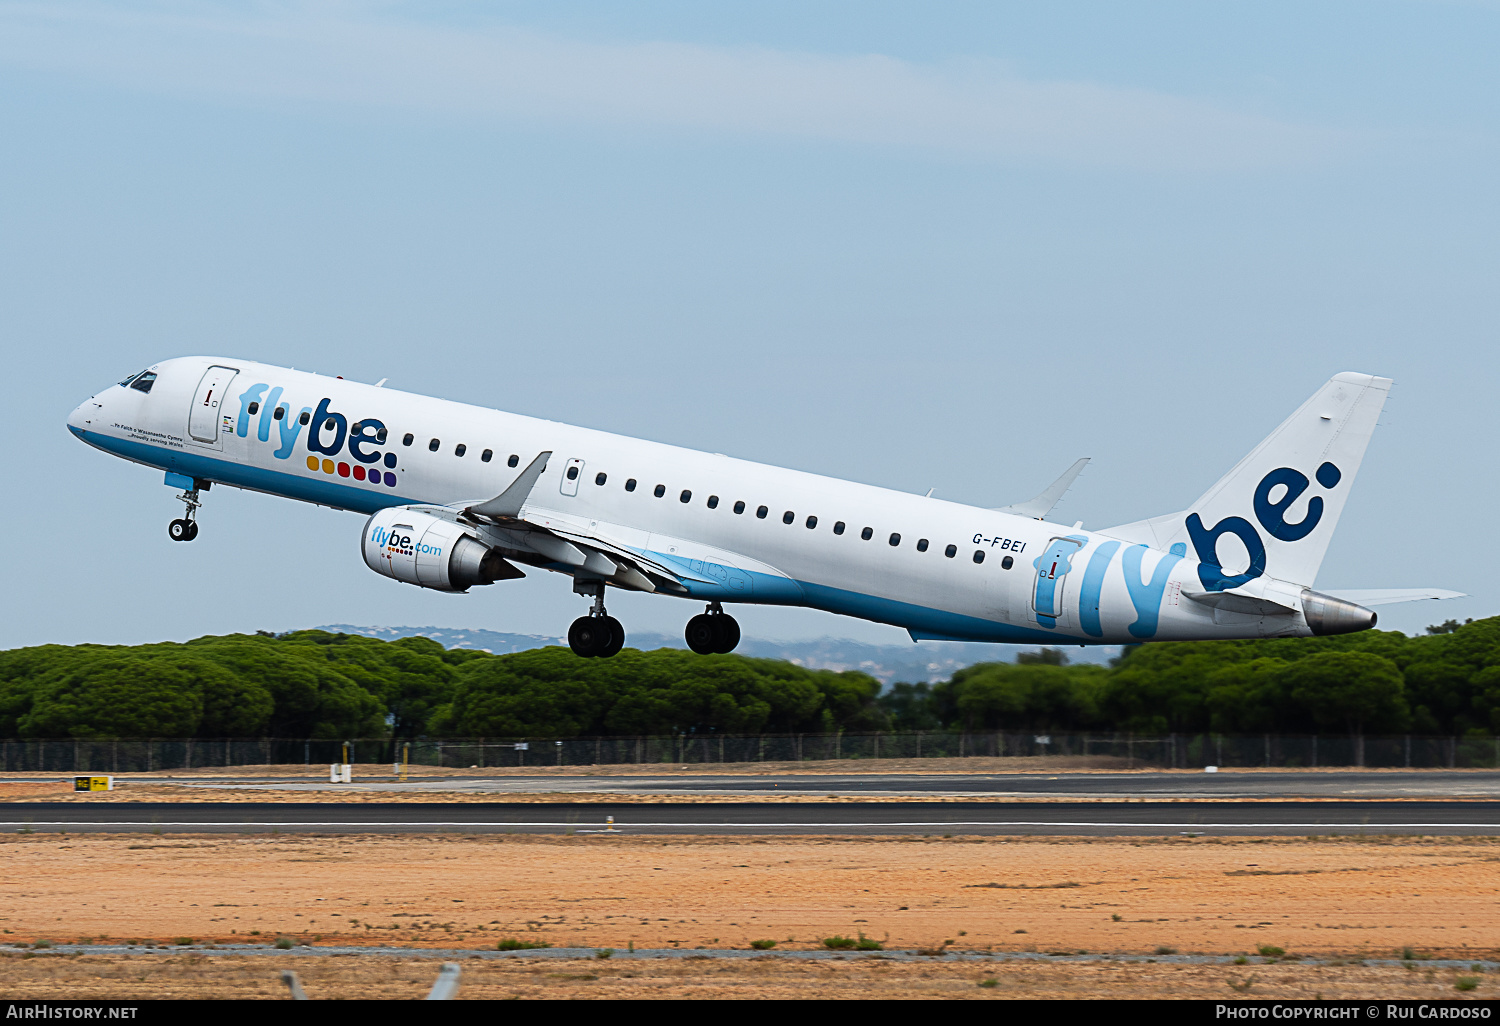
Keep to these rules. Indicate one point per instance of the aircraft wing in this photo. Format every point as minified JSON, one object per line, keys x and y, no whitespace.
{"x":507,"y":523}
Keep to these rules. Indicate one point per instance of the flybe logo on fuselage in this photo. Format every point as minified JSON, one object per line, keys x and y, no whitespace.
{"x":328,"y":434}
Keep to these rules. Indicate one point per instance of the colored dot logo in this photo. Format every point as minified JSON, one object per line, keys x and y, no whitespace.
{"x":359,"y":473}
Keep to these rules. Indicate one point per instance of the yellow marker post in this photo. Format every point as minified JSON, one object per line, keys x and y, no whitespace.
{"x":405,"y":760}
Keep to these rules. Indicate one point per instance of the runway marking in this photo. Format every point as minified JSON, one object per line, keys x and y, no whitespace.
{"x":625,"y":826}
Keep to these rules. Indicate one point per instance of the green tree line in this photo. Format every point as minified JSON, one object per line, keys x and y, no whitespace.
{"x":320,"y":685}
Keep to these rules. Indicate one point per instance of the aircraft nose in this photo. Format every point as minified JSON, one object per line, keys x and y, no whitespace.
{"x":82,"y":417}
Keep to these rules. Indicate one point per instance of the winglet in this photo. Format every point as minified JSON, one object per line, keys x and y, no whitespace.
{"x":1040,"y":506}
{"x":507,"y":505}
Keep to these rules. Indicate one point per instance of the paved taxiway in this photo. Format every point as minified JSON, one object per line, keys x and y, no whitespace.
{"x":1222,"y":786}
{"x":1098,"y":818}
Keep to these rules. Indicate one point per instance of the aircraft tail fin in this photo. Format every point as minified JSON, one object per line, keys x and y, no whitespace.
{"x":1275,"y":512}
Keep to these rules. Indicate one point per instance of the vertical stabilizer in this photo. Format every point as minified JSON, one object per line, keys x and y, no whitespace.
{"x":1274,"y":513}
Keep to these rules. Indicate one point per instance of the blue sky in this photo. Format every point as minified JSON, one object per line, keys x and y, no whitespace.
{"x":946,"y":245}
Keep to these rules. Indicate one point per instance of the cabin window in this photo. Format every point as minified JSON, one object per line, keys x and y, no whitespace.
{"x":659,"y":491}
{"x":630,"y":484}
{"x":278,"y":413}
{"x":460,"y":449}
{"x":332,"y":425}
{"x":686,"y":496}
{"x":600,"y":478}
{"x":486,"y":456}
{"x":895,"y":540}
{"x":573,"y":473}
{"x":380,"y":436}
{"x":406,"y":439}
{"x":979,"y":555}
{"x":432,"y":446}
{"x":812,"y":522}
{"x":788,"y":517}
{"x":867,"y":533}
{"x":921,"y":544}
{"x":739,"y":507}
{"x":1007,"y":562}
{"x":761,"y":511}
{"x":144,"y":382}
{"x":255,"y":408}
{"x":513,"y":461}
{"x":951,"y":551}
{"x":838,"y":528}
{"x":306,"y":416}
{"x":713,"y":502}
{"x":354,"y":428}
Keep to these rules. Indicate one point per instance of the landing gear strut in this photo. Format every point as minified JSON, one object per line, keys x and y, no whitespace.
{"x":597,"y":634}
{"x":186,"y":529}
{"x":713,"y":632}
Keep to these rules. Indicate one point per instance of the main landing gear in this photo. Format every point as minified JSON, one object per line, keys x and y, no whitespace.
{"x":713,"y":632}
{"x":597,"y":634}
{"x":186,"y":529}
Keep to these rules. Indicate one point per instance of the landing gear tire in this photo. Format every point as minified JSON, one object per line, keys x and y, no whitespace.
{"x":591,"y":636}
{"x":182,"y":530}
{"x":616,"y":638}
{"x":712,"y":633}
{"x":192,"y":530}
{"x":700,"y":634}
{"x":727,"y":633}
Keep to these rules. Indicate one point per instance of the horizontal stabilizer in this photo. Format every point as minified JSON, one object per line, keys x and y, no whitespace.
{"x":1390,"y":596}
{"x":1043,"y":504}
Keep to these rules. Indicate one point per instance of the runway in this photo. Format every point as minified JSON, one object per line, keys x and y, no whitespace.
{"x":974,"y":818}
{"x":1222,"y":786}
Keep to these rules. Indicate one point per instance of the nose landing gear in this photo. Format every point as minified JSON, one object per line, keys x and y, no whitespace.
{"x":713,"y":632}
{"x":186,"y":529}
{"x":597,"y":634}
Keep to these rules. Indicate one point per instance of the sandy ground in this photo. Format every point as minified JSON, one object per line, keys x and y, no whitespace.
{"x":1367,"y":897}
{"x":200,"y":976}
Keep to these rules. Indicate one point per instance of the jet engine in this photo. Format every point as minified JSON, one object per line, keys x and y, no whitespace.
{"x":1326,"y":614}
{"x":431,"y":552}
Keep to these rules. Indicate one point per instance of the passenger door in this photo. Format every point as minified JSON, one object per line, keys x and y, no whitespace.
{"x":203,"y":418}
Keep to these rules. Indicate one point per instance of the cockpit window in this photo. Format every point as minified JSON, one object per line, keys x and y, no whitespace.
{"x":131,"y":377}
{"x":143,"y":382}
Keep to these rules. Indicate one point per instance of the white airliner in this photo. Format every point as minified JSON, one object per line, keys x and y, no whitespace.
{"x":458,"y":495}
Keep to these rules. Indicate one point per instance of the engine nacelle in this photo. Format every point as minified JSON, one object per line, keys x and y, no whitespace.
{"x":430,"y":552}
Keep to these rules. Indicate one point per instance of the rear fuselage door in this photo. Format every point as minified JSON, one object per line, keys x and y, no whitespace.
{"x":1052,"y":568}
{"x":203,"y":418}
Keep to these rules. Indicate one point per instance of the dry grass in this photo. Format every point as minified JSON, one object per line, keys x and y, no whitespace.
{"x":1334,"y":896}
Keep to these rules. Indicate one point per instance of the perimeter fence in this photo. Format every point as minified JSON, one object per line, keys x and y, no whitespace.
{"x":1125,"y":750}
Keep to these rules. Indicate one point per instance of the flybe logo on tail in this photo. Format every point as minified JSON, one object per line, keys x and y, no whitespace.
{"x":1287,"y":486}
{"x":328,"y":434}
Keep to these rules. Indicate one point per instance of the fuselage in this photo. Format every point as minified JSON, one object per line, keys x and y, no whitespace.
{"x":740,"y":531}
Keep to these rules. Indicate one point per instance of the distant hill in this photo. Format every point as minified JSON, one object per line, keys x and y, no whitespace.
{"x":926,"y":661}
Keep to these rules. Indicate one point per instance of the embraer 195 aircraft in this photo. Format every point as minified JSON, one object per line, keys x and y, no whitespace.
{"x":458,"y":495}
